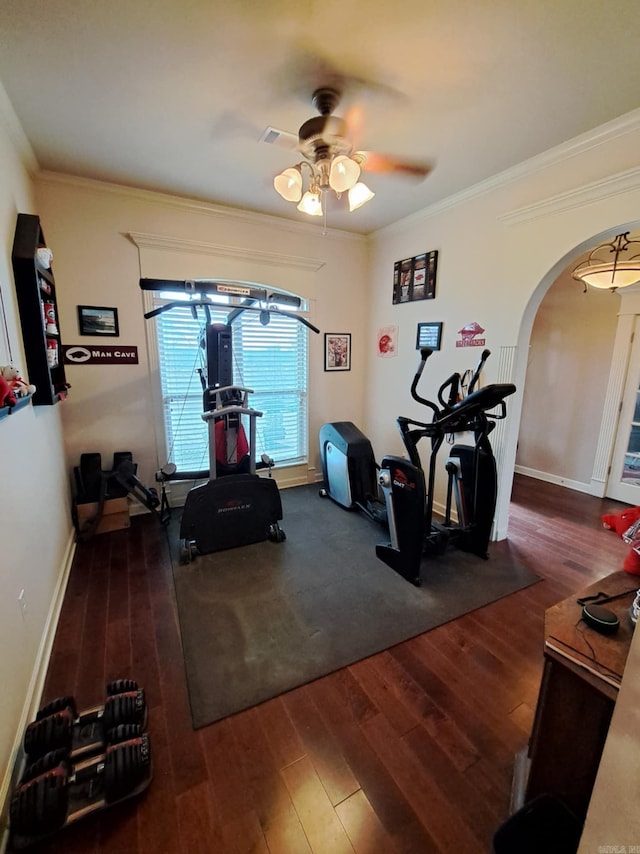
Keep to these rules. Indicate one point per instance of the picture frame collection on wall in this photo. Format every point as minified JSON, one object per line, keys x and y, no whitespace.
{"x":414,"y":280}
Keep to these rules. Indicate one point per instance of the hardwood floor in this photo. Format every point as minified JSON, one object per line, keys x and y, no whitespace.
{"x":411,"y":750}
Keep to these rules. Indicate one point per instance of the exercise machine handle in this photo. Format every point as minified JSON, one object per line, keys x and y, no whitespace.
{"x":453,"y":384}
{"x":425,"y":352}
{"x":270,"y":310}
{"x":474,"y":379}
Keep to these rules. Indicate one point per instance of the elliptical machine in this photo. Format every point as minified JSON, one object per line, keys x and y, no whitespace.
{"x":471,"y":469}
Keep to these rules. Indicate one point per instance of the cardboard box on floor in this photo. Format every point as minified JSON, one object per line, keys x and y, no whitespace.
{"x":115,"y":515}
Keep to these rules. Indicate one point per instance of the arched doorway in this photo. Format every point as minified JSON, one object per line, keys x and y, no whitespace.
{"x":579,"y":362}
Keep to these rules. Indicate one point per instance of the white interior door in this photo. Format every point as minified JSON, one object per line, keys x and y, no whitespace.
{"x":623,"y":482}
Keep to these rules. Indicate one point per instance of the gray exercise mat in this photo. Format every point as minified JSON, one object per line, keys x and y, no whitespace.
{"x":259,"y":620}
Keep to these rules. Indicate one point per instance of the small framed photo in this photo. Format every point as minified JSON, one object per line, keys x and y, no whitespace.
{"x":98,"y":320}
{"x":337,"y":351}
{"x":429,"y":335}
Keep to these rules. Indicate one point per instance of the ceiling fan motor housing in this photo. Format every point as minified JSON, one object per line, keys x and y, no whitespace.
{"x":324,"y":135}
{"x":325,"y":100}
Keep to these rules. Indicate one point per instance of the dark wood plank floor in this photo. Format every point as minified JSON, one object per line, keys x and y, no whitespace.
{"x":409,"y":751}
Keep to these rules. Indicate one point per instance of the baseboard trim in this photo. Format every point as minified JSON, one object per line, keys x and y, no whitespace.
{"x":36,"y":687}
{"x":576,"y":485}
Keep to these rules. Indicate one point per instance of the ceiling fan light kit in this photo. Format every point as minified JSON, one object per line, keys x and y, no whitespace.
{"x":618,"y":270}
{"x":332,"y":163}
{"x":339,"y":173}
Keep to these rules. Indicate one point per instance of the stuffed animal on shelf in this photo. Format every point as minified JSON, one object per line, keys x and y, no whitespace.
{"x":18,"y":386}
{"x":7,"y":397}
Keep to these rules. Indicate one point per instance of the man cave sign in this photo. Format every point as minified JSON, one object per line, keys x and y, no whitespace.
{"x":77,"y":354}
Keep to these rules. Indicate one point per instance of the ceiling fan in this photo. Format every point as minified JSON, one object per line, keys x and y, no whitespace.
{"x":324,"y":141}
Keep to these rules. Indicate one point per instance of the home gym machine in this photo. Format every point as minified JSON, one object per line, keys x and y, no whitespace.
{"x":471,"y":471}
{"x":235,"y":507}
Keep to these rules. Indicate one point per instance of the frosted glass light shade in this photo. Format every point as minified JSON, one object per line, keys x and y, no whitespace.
{"x":344,"y":173}
{"x":603,"y":276}
{"x":311,"y":204}
{"x":359,"y":195}
{"x":289,"y":184}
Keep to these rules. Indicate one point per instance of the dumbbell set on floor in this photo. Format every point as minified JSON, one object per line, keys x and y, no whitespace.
{"x":81,"y":762}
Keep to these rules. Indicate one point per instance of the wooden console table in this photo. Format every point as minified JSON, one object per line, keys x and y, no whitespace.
{"x":580,"y":682}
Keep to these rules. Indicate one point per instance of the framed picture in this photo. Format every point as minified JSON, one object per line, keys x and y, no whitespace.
{"x":429,"y":335}
{"x":98,"y":320}
{"x":415,"y":278}
{"x":337,"y":351}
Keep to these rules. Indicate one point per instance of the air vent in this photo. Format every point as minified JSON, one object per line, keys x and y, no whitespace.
{"x":273,"y":136}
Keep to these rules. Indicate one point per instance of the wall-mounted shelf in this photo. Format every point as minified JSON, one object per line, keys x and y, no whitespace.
{"x":21,"y":403}
{"x":39,"y":318}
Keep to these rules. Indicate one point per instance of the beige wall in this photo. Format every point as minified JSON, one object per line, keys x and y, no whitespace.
{"x":567,"y":375}
{"x":88,"y":226}
{"x":35,"y":524}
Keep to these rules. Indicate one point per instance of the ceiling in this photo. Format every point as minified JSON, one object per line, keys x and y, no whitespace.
{"x":173,"y":95}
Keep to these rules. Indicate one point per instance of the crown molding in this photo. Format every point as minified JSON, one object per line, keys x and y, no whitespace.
{"x":626,"y":124}
{"x":16,"y":133}
{"x":173,"y":244}
{"x":614,"y":185}
{"x":623,"y":125}
{"x":196,"y":206}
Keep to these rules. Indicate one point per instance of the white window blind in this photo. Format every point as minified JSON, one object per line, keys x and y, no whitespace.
{"x":271,"y":360}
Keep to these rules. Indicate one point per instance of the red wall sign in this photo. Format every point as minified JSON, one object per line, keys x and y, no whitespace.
{"x":78,"y":354}
{"x":470,"y":336}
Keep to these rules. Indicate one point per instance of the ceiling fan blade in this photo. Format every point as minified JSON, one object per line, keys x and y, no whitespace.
{"x":308,"y":66}
{"x":229,"y":124}
{"x":355,"y":122}
{"x":386,"y":163}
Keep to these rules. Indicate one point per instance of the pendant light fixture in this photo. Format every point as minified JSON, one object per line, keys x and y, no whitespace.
{"x":611,"y":265}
